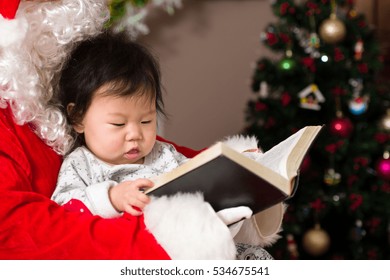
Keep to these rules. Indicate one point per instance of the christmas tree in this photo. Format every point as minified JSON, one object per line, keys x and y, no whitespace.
{"x":326,"y":70}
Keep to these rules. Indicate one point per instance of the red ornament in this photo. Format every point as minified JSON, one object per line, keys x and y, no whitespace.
{"x":284,"y":7}
{"x":338,"y":55}
{"x":285,"y":99}
{"x":317,"y":205}
{"x":271,"y":38}
{"x":306,"y":163}
{"x":356,"y":200}
{"x":292,"y":246}
{"x":260,"y":106}
{"x":341,"y":127}
{"x":284,"y":37}
{"x":363,"y":68}
{"x":309,"y":62}
{"x":383,"y":168}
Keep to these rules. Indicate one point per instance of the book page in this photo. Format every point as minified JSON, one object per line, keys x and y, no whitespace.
{"x":276,"y":157}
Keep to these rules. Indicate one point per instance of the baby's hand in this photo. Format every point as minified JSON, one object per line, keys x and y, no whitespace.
{"x":254,"y":154}
{"x":128,"y":195}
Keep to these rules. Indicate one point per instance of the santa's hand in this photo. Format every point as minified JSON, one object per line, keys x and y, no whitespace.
{"x":234,"y":217}
{"x":187,"y":228}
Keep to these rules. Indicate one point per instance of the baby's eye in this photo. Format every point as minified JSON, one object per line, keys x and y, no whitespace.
{"x":146,"y":122}
{"x":117,"y":124}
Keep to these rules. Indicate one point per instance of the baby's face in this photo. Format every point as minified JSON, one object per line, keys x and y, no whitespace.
{"x":120,"y":130}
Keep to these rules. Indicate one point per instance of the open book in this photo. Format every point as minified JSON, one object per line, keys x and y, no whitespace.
{"x":228,"y":178}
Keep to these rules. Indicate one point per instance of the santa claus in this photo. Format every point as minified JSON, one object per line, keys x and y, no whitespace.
{"x":35,"y":38}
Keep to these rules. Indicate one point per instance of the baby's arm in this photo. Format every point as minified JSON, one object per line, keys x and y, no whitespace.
{"x":127,"y":196}
{"x":106,"y":199}
{"x":74,"y":183}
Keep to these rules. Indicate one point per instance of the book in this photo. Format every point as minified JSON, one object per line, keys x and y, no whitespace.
{"x":228,"y":178}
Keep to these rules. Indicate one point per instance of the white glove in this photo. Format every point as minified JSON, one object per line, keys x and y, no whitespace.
{"x":234,"y":217}
{"x":188,"y":228}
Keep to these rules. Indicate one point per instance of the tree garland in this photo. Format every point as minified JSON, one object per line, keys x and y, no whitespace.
{"x":129,"y":15}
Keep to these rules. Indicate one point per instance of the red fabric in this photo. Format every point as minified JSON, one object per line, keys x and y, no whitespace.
{"x":184,"y":150}
{"x":34,"y":227}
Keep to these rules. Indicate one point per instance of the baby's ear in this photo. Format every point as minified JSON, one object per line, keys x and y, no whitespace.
{"x":69,"y":108}
{"x":78,"y":127}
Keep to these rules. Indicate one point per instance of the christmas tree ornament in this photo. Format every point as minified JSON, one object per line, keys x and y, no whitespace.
{"x":383,"y":166}
{"x":309,"y":63}
{"x":264,"y":91}
{"x":358,"y":232}
{"x":332,"y":30}
{"x":359,"y":48}
{"x":287,"y":64}
{"x":301,"y":35}
{"x":338,"y":55}
{"x":352,"y":13}
{"x":385,"y":121}
{"x":331,"y":177}
{"x":357,"y":85}
{"x":314,"y":40}
{"x":358,"y":105}
{"x":292,"y":246}
{"x":269,"y":37}
{"x":306,"y":164}
{"x":341,"y":126}
{"x":316,"y":241}
{"x":355,"y":200}
{"x":311,"y":97}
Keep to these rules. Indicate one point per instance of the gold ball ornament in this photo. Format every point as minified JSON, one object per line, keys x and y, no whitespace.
{"x":316,"y":241}
{"x":332,"y":30}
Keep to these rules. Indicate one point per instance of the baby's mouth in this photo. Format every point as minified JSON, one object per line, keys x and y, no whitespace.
{"x":132,"y":154}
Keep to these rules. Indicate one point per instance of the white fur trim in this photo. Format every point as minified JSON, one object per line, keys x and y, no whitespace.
{"x":12,"y":31}
{"x":188,"y":228}
{"x":241,"y":143}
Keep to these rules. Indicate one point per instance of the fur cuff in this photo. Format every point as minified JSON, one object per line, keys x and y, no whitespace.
{"x":188,"y":228}
{"x":241,"y":143}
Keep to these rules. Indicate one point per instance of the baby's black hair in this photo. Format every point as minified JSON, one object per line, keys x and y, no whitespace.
{"x":124,"y":67}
